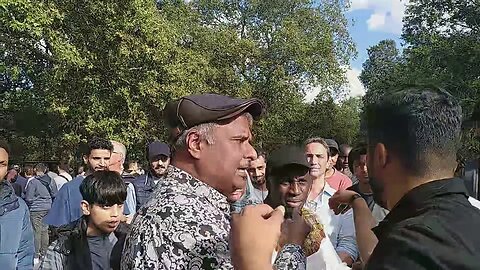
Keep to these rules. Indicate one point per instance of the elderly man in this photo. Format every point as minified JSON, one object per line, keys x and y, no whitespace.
{"x":186,"y":224}
{"x":119,"y":154}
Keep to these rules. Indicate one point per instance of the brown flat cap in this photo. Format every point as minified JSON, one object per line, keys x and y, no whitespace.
{"x":189,"y":111}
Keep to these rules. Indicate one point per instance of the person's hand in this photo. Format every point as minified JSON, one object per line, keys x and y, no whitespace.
{"x":340,"y":201}
{"x":295,"y":230}
{"x":357,"y":266}
{"x":254,"y":235}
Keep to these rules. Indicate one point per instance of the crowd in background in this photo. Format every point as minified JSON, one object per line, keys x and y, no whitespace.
{"x":343,"y":207}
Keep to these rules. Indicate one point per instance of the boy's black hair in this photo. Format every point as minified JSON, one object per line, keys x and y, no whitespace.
{"x":99,"y":143}
{"x":105,"y":188}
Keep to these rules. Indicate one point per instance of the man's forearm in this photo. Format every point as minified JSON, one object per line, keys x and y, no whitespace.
{"x":364,"y":222}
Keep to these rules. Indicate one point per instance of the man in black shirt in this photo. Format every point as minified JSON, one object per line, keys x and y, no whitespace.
{"x":413,"y":137}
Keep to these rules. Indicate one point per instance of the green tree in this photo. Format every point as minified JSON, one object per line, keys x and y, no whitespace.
{"x":73,"y":69}
{"x":382,"y":70}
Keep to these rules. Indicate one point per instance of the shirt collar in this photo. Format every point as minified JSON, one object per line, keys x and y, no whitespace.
{"x":328,"y":190}
{"x":322,"y":198}
{"x":184,"y":180}
{"x":419,"y":197}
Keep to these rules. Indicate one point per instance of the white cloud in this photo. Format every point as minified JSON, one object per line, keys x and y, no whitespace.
{"x":387,"y":15}
{"x":354,"y":87}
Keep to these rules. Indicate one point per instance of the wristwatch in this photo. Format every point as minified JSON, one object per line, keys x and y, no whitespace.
{"x":354,"y":197}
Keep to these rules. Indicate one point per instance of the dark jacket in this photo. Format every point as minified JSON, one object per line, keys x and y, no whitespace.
{"x":434,"y":226}
{"x":16,"y":234}
{"x":71,"y":250}
{"x":144,"y":186}
{"x":40,"y":193}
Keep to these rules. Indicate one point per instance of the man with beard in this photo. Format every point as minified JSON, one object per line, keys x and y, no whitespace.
{"x":256,"y":171}
{"x":413,"y":137}
{"x":158,"y":155}
{"x":17,"y":245}
{"x":66,"y":206}
{"x":186,"y":224}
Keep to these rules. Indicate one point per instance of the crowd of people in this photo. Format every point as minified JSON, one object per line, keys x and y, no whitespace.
{"x":210,"y":200}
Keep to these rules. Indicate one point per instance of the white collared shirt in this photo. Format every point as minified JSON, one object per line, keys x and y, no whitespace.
{"x":339,"y":228}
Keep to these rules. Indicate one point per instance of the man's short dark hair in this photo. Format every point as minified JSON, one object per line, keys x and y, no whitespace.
{"x":416,"y":123}
{"x":4,"y":145}
{"x":99,"y":143}
{"x":261,"y":153}
{"x":64,"y":166}
{"x":355,"y":154}
{"x":105,"y":188}
{"x":41,"y":167}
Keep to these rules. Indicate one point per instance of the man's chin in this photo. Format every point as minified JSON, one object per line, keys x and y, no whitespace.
{"x":235,"y":196}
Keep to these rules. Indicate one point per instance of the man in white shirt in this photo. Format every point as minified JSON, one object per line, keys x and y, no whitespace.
{"x":340,"y":229}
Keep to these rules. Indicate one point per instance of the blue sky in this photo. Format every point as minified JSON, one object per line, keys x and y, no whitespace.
{"x":370,"y":22}
{"x":373,"y":21}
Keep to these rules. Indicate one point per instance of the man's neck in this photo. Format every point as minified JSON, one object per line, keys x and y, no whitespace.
{"x":318,"y":185}
{"x":262,"y":187}
{"x":329,"y":173}
{"x":407,"y":183}
{"x":93,"y":231}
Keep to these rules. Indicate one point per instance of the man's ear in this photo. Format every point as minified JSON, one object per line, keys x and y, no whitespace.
{"x":85,"y":159}
{"x":381,"y":155}
{"x":193,"y":143}
{"x":85,"y":208}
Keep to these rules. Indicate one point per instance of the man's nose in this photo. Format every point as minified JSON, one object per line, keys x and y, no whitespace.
{"x":116,"y":210}
{"x":295,"y":189}
{"x":250,"y":152}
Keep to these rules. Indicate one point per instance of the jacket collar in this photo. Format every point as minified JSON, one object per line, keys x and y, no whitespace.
{"x":418,"y":198}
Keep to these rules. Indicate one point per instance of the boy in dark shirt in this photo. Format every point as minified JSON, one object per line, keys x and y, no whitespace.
{"x":88,"y":242}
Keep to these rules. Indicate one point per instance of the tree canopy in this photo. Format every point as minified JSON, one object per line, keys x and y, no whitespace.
{"x":442,"y":48}
{"x":70,"y":70}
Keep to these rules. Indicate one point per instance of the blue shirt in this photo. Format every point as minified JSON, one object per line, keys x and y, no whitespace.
{"x":340,"y":228}
{"x":66,"y":206}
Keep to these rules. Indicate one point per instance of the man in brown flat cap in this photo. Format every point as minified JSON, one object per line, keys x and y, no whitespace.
{"x":186,"y":224}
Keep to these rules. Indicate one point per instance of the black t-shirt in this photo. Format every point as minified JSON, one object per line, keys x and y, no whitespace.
{"x":367,"y":197}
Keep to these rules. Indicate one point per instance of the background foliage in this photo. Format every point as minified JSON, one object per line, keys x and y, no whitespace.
{"x":70,"y":70}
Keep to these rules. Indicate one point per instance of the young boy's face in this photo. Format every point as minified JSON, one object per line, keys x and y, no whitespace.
{"x":102,"y":219}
